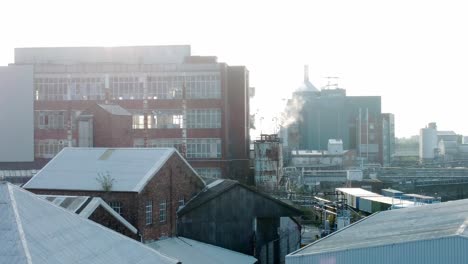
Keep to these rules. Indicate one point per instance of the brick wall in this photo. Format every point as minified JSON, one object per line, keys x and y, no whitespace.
{"x":103,"y":217}
{"x":175,"y":181}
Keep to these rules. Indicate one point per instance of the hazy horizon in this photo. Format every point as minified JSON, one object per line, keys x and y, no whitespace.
{"x":413,"y":54}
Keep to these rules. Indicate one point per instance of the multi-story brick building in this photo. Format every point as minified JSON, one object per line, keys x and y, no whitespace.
{"x":194,"y":103}
{"x":146,"y":186}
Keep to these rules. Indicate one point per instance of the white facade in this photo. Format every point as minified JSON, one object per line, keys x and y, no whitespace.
{"x":16,"y":114}
{"x":427,"y":143}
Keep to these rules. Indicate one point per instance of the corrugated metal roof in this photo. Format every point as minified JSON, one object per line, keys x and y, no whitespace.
{"x":392,"y":191}
{"x":115,"y":109}
{"x":219,"y":187}
{"x":33,"y":230}
{"x":192,"y":251}
{"x":425,"y":222}
{"x":81,"y":168}
{"x":358,"y":192}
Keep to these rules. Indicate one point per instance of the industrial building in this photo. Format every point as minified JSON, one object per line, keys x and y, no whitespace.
{"x":441,"y":146}
{"x":427,"y":234}
{"x":330,"y":113}
{"x":268,"y":162}
{"x":388,"y":138}
{"x":172,"y":99}
{"x":145,"y":185}
{"x":320,"y":115}
{"x":234,"y":216}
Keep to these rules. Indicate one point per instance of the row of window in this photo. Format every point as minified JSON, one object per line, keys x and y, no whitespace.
{"x":196,"y":118}
{"x":159,"y":119}
{"x":204,"y":118}
{"x":50,"y":119}
{"x":129,"y":87}
{"x":117,"y":206}
{"x":58,"y":89}
{"x":196,"y":147}
{"x":213,"y":172}
{"x":48,"y":148}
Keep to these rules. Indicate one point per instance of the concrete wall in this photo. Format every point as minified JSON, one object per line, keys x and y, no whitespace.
{"x":16,"y":114}
{"x":76,"y":55}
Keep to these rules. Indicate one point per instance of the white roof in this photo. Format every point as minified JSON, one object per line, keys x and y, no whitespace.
{"x":192,"y":251}
{"x":426,"y":222}
{"x":82,"y":168}
{"x":357,"y":192}
{"x":115,"y":109}
{"x":33,"y":230}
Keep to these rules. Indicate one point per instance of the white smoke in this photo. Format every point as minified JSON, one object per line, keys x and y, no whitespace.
{"x":292,"y":112}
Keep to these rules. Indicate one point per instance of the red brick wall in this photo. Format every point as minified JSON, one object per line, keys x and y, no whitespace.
{"x":103,"y":217}
{"x":174,"y":181}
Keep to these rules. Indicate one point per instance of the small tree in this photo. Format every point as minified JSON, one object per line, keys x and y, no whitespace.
{"x":105,"y":180}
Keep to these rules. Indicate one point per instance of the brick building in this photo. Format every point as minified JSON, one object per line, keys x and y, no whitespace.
{"x":174,"y":99}
{"x":146,"y":186}
{"x":95,"y":209}
{"x":33,"y":230}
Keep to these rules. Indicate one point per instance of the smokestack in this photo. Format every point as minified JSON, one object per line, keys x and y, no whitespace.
{"x":306,"y":73}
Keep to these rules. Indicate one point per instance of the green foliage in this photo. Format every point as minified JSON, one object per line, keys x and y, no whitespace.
{"x":106,"y":181}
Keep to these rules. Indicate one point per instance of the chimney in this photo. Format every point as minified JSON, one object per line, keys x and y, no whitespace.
{"x":306,"y":73}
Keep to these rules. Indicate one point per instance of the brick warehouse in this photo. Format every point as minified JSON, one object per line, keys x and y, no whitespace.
{"x":174,"y":99}
{"x":147,"y":186}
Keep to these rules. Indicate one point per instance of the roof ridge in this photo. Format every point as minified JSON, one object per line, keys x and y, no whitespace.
{"x":19,"y":224}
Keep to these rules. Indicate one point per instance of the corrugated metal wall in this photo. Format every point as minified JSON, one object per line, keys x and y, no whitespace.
{"x":452,"y":250}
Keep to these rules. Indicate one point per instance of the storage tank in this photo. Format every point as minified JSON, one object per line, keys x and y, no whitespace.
{"x":427,"y":143}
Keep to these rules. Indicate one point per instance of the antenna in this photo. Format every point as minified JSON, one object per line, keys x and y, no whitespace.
{"x":329,"y":81}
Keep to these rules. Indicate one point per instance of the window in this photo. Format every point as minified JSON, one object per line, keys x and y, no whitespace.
{"x":203,"y":86}
{"x":157,"y":143}
{"x":214,"y":173}
{"x":162,"y":211}
{"x":48,"y":148}
{"x":126,"y":87}
{"x":77,"y":88}
{"x":203,"y":148}
{"x":50,"y":119}
{"x":181,"y":201}
{"x":149,"y":212}
{"x":117,"y":206}
{"x":204,"y":118}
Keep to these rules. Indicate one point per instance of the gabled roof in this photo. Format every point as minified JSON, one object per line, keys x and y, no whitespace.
{"x":84,"y":168}
{"x":219,"y":187}
{"x":397,"y":226}
{"x":115,"y":109}
{"x":85,"y":206}
{"x":33,"y":230}
{"x":192,"y":251}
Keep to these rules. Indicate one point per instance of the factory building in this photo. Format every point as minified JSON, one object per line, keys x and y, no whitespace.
{"x":388,"y":138}
{"x":268,"y":162}
{"x":154,"y":96}
{"x":329,"y":113}
{"x":441,"y":146}
{"x":434,"y":233}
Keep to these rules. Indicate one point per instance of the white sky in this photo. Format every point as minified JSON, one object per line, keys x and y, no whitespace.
{"x":412,"y":53}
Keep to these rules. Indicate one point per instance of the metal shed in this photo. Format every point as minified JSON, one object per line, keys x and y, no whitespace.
{"x":427,"y":234}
